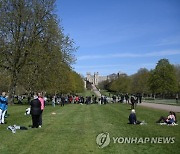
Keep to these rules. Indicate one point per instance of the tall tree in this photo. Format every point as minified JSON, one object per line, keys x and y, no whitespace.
{"x":23,"y":23}
{"x":140,"y":81}
{"x":121,"y":84}
{"x":4,"y":80}
{"x":177,"y":69}
{"x":163,"y":78}
{"x":29,"y":33}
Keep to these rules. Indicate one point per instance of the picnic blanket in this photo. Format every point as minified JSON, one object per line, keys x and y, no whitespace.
{"x":173,"y":124}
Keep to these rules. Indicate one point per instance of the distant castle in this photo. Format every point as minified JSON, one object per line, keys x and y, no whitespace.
{"x":96,"y":78}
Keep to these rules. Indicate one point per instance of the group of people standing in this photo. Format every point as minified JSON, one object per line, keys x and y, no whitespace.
{"x":37,"y":107}
{"x":73,"y":99}
{"x":38,"y":103}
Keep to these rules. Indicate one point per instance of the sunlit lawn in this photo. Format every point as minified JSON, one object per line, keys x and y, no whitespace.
{"x":74,"y":128}
{"x":86,"y":93}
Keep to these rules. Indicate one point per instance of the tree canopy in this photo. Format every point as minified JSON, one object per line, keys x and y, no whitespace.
{"x":163,"y":78}
{"x":121,"y":84}
{"x":34,"y":49}
{"x":140,"y":81}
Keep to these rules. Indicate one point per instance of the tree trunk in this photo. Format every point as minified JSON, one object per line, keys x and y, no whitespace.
{"x":163,"y":96}
{"x":12,"y":89}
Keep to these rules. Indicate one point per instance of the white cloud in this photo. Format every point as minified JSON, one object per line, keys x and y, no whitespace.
{"x":130,"y":55}
{"x":112,"y":66}
{"x":168,"y":41}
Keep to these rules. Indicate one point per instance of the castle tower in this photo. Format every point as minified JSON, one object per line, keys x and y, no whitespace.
{"x":89,"y":77}
{"x":96,"y":78}
{"x":85,"y":84}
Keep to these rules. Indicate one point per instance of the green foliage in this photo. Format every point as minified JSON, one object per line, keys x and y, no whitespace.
{"x":140,"y":81}
{"x":86,"y":93}
{"x":25,"y":27}
{"x":104,"y":84}
{"x":163,"y":78}
{"x":34,"y":49}
{"x":177,"y":69}
{"x":121,"y":84}
{"x":78,"y":83}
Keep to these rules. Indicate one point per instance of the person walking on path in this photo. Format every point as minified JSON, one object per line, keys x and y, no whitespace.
{"x":177,"y":98}
{"x":133,"y":101}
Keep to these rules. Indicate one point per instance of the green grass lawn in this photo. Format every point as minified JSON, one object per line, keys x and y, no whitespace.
{"x":86,"y":93}
{"x":106,"y":93}
{"x":74,"y":128}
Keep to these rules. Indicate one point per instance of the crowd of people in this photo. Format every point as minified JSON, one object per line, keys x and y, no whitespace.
{"x":38,"y":103}
{"x":76,"y":99}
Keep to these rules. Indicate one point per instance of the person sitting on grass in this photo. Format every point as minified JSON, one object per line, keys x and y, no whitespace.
{"x":132,"y":118}
{"x":169,"y":120}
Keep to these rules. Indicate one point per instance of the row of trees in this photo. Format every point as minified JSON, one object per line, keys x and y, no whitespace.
{"x":164,"y":80}
{"x":35,"y":52}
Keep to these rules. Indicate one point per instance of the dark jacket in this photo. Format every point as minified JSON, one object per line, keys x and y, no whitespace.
{"x":132,"y":118}
{"x":35,"y":107}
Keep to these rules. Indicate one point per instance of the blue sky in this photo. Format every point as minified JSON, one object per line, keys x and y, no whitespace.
{"x":121,"y":35}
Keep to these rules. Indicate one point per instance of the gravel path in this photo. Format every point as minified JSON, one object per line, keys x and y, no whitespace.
{"x":161,"y":106}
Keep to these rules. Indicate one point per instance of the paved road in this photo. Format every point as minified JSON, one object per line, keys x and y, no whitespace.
{"x":98,"y":94}
{"x":161,"y":106}
{"x":151,"y":105}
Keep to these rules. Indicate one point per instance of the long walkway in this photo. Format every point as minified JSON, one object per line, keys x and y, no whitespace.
{"x":161,"y":106}
{"x":96,"y":91}
{"x":151,"y":105}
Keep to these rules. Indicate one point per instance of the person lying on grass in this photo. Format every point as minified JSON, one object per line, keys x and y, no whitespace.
{"x":171,"y":118}
{"x":132,"y":118}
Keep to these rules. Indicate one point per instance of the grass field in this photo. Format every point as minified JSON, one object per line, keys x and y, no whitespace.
{"x":106,"y":93}
{"x":74,"y":128}
{"x":86,"y":93}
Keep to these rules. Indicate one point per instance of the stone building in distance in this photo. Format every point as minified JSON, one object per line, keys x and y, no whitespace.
{"x":95,"y":78}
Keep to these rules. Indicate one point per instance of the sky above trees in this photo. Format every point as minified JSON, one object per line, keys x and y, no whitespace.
{"x":121,"y":35}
